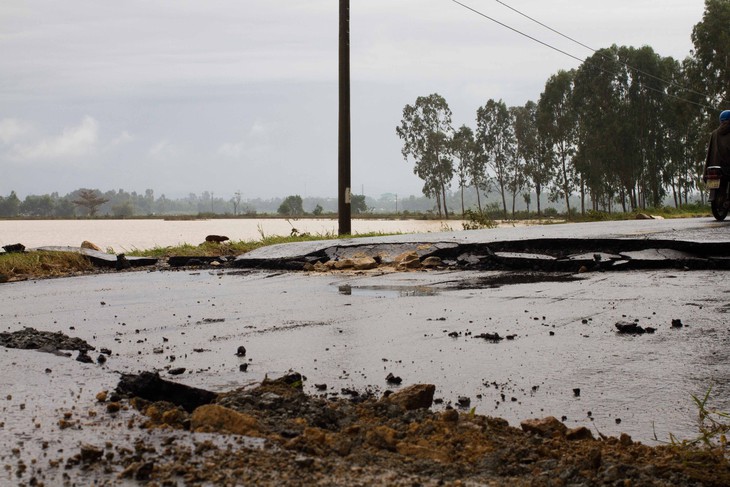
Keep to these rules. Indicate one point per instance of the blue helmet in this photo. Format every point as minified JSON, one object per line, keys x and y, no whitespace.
{"x":724,"y":116}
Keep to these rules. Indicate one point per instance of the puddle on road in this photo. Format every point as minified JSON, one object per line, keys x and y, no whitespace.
{"x":386,"y":291}
{"x":507,"y":279}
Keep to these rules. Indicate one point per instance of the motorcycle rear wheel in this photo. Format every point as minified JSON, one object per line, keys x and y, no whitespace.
{"x":718,"y":211}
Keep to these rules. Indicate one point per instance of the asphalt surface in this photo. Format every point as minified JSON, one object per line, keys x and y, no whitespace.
{"x":350,"y":330}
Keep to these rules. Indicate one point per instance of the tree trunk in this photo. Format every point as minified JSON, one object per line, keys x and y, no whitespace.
{"x":443,"y":192}
{"x":565,"y":185}
{"x":479,"y":200}
{"x":462,"y":201}
{"x":504,"y":200}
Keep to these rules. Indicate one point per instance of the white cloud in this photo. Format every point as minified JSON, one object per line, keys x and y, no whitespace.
{"x":122,"y":138}
{"x":75,"y":141}
{"x":232,"y":149}
{"x":256,"y":139}
{"x":12,"y":129}
{"x":162,"y":150}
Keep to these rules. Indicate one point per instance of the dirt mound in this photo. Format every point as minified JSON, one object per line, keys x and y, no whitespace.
{"x":311,"y":440}
{"x":32,"y":339}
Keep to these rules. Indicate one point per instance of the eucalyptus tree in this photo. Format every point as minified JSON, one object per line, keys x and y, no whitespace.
{"x":516,"y":178}
{"x":605,"y":142}
{"x":496,"y":140}
{"x":711,"y":40}
{"x":647,"y":115}
{"x":526,"y":140}
{"x":541,"y":169}
{"x":684,"y":118}
{"x":426,"y":132}
{"x":559,"y":119}
{"x":465,"y":150}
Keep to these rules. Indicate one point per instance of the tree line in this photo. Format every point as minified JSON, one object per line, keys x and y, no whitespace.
{"x":85,"y":202}
{"x":627,"y":129}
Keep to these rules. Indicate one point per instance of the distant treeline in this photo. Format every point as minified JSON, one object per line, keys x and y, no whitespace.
{"x":85,"y":202}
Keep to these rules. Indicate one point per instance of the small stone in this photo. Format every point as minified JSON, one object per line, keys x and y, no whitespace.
{"x":464,"y":401}
{"x":548,"y":427}
{"x":113,"y":407}
{"x":579,"y":433}
{"x":211,"y":418}
{"x":83,"y":357}
{"x":90,"y":245}
{"x":677,"y":323}
{"x":243,"y":367}
{"x":241,"y":351}
{"x":364,"y":263}
{"x":176,"y":371}
{"x":320,"y":387}
{"x":344,"y":264}
{"x":576,"y":392}
{"x":417,"y":396}
{"x":101,"y":396}
{"x":216,"y":238}
{"x":90,"y":454}
{"x":392,"y":379}
{"x":628,"y":328}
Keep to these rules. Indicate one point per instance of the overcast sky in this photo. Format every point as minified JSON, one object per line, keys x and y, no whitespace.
{"x":226,"y":95}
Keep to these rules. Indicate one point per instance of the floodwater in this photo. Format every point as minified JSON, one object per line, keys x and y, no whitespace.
{"x":351,"y":331}
{"x":127,"y":235}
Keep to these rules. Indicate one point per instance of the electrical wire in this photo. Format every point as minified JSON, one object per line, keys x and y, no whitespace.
{"x":670,"y":83}
{"x":534,"y":39}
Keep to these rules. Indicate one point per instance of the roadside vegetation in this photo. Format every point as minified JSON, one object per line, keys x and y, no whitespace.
{"x":34,"y":265}
{"x":14,"y":266}
{"x":238,"y":247}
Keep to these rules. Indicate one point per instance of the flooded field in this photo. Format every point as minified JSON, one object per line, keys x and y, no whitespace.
{"x":126,"y":235}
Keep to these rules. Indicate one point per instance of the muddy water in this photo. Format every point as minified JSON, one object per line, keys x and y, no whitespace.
{"x":126,"y":235}
{"x":351,"y":331}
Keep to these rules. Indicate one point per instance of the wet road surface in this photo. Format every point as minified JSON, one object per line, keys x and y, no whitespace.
{"x":351,"y":331}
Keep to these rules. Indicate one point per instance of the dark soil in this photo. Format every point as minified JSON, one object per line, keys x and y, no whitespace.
{"x":391,"y":440}
{"x":45,"y":341}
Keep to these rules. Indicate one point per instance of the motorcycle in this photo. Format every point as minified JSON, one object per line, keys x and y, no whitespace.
{"x":717,"y":179}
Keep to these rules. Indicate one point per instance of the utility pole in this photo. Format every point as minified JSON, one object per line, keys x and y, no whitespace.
{"x":344,"y":195}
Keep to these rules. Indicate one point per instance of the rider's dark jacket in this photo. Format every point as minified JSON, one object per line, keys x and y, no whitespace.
{"x":718,"y":152}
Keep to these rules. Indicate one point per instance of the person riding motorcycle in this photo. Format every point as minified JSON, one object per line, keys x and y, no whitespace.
{"x":718,"y":152}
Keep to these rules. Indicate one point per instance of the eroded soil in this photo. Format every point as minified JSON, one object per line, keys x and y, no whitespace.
{"x":365,"y":440}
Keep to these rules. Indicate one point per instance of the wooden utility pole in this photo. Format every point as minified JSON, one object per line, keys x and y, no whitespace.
{"x":344,"y":158}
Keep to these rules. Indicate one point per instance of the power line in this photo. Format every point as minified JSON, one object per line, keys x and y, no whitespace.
{"x":670,"y":83}
{"x":534,"y":39}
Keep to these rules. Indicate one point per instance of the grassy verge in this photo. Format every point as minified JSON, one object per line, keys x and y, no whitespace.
{"x":16,"y":266}
{"x":239,"y":247}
